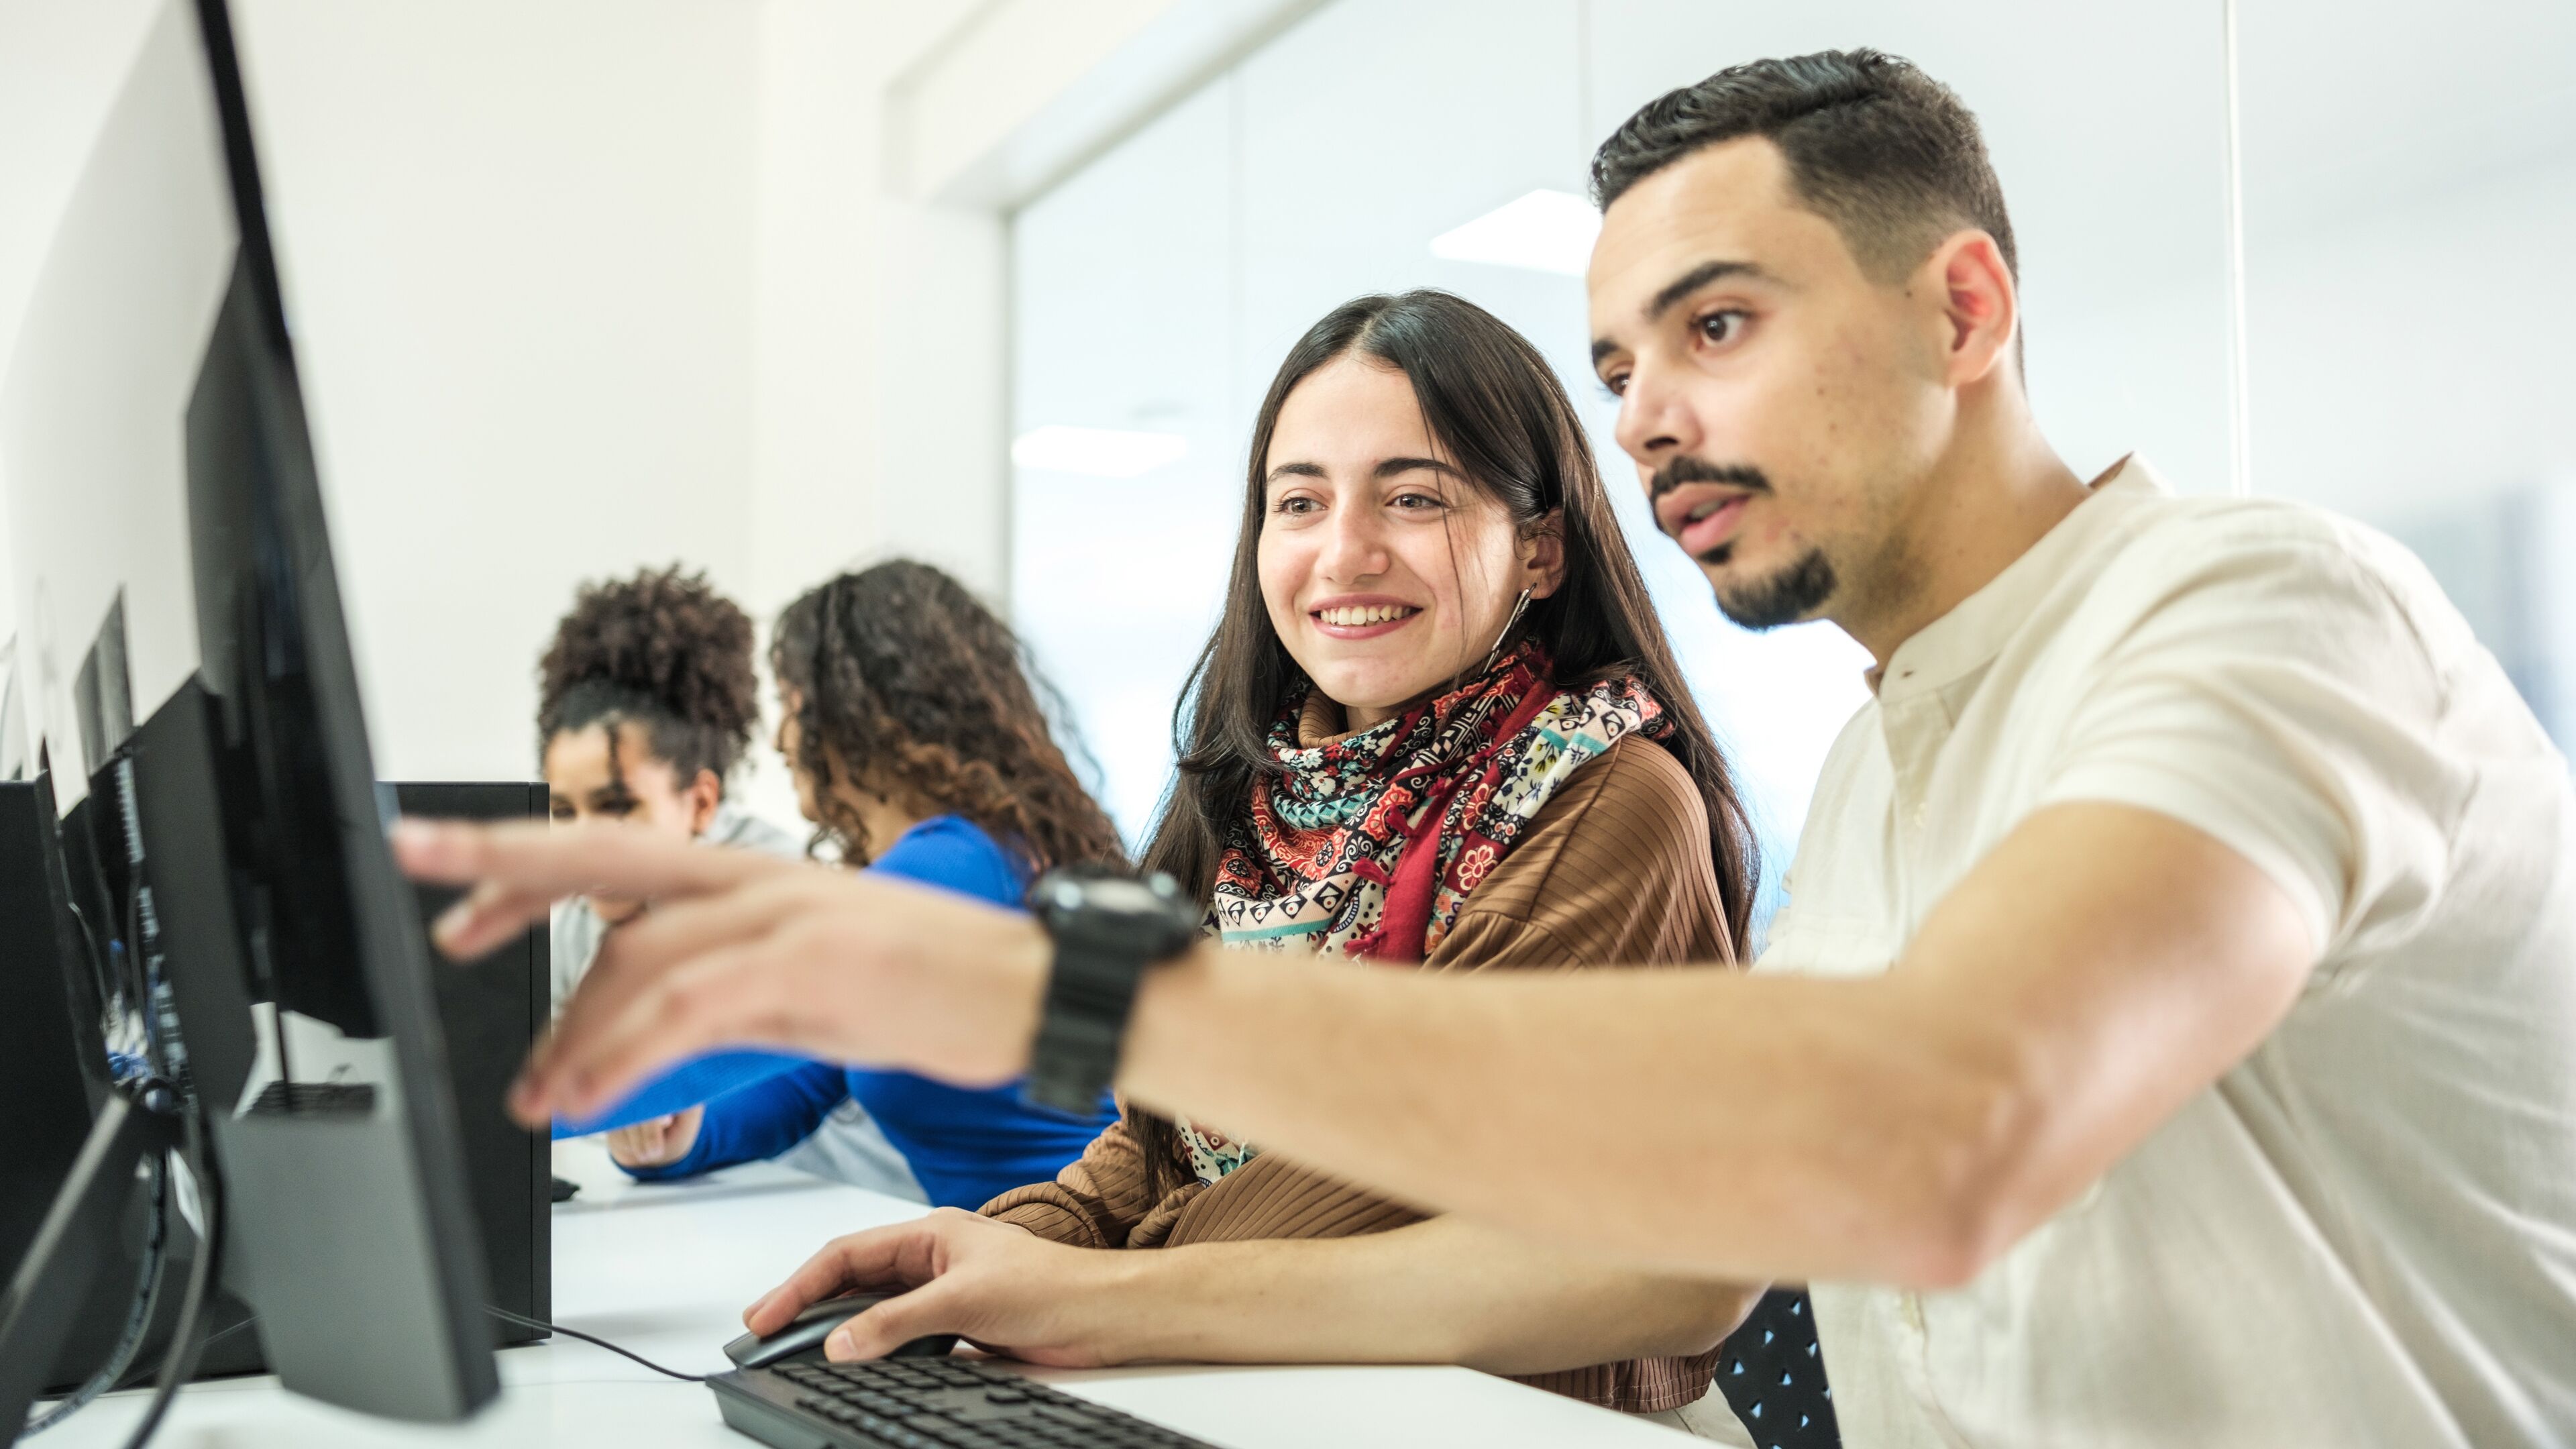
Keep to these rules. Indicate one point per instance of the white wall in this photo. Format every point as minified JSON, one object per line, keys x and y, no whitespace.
{"x":2409,"y":224}
{"x":587,"y":286}
{"x":596,"y":284}
{"x":2410,"y":216}
{"x":522,"y":289}
{"x":59,"y":70}
{"x":518,"y":249}
{"x":879,"y":426}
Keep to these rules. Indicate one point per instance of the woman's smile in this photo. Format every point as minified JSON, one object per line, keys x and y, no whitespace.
{"x":1356,"y":616}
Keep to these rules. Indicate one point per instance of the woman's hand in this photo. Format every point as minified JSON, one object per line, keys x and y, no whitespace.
{"x":658,"y":1142}
{"x":996,"y":1285}
{"x":739,"y":949}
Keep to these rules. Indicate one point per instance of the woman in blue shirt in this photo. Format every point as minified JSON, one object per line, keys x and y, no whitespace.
{"x":919,"y":748}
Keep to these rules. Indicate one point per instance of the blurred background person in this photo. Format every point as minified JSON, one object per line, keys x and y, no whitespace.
{"x":920,"y":748}
{"x":647,"y":703}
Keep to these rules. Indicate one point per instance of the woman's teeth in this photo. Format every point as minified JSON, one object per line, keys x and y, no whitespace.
{"x":1361,"y":617}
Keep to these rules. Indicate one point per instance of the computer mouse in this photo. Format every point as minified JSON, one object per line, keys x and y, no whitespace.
{"x":801,"y":1341}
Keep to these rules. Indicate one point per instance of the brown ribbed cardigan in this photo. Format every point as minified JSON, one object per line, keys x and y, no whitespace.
{"x":1615,"y":868}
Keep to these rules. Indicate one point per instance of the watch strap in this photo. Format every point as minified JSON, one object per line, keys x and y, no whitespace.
{"x":1101,"y":954}
{"x":1089,"y":994}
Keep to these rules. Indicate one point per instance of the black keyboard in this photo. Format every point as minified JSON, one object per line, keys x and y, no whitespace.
{"x":924,"y":1403}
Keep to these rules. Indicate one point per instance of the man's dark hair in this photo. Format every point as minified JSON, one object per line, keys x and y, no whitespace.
{"x":1886,"y":153}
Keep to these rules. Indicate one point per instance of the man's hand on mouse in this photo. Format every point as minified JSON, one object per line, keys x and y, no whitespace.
{"x":739,"y":948}
{"x":996,"y":1285}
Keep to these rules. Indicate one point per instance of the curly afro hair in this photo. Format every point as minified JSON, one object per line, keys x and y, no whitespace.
{"x":906,"y":686}
{"x":662,"y":650}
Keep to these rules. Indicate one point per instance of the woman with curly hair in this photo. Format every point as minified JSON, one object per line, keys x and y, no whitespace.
{"x":646,"y":701}
{"x":920,"y":749}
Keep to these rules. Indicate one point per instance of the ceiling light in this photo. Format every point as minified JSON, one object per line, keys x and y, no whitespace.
{"x":1097,"y":452}
{"x":1545,"y":231}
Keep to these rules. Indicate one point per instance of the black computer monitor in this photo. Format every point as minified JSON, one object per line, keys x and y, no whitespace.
{"x":57,"y":1071}
{"x":186,"y":673}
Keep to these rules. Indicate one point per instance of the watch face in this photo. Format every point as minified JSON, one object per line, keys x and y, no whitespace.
{"x":1124,"y":896}
{"x":1149,"y":917}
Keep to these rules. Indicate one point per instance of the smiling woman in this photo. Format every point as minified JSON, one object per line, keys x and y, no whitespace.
{"x":1438,"y":725}
{"x":1385,"y":572}
{"x":1416,"y":454}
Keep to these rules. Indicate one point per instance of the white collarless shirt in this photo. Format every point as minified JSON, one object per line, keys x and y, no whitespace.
{"x":2364,"y":1234}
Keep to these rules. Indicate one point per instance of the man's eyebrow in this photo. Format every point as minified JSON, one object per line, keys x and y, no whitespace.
{"x":1694,"y":279}
{"x":1394,"y":466}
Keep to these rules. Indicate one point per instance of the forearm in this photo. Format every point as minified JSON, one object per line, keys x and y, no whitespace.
{"x":2098,"y":968}
{"x":1444,"y":1291}
{"x":1695,"y":1120}
{"x":1093,"y":1203}
{"x":2095,"y":971}
{"x":685,"y":1086}
{"x":756,"y":1122}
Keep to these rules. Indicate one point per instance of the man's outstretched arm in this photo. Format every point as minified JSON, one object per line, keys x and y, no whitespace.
{"x":2101,"y":965}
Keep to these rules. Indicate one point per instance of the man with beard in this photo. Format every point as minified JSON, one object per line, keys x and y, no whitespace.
{"x":2171,"y":1034}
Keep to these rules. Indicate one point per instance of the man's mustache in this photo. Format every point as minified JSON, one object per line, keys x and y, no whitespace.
{"x":1686,"y":470}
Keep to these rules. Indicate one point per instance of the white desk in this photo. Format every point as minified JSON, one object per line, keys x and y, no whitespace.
{"x":667,"y":1270}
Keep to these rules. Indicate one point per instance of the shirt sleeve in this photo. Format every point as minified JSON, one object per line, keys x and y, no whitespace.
{"x":757,"y":1121}
{"x":1095,"y":1202}
{"x":694,"y":1081}
{"x":949,"y":853}
{"x":954,"y":854}
{"x":572,"y":938}
{"x":1614,"y":871}
{"x":2276,"y":696}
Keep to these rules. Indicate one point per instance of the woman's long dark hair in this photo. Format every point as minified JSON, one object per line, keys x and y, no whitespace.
{"x":1498,"y":412}
{"x":908,"y":687}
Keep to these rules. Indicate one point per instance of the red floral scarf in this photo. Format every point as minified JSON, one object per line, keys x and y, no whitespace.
{"x":1369,"y":844}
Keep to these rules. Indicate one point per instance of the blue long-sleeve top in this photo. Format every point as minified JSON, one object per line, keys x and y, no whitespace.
{"x":966,"y":1147}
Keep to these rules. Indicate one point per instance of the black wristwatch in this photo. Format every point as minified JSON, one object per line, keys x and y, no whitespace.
{"x":1107,"y":929}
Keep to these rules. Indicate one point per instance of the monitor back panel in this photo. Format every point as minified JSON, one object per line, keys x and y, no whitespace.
{"x":492,"y":1011}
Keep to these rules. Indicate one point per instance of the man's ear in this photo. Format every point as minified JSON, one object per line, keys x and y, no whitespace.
{"x":1980,"y":305}
{"x":1543,"y":555}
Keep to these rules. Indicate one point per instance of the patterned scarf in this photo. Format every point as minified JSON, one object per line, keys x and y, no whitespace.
{"x":1368,"y":845}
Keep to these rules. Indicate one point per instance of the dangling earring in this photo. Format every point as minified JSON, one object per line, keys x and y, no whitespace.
{"x":1497,"y":651}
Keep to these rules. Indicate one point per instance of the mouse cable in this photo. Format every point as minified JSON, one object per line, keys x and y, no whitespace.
{"x":541,"y":1325}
